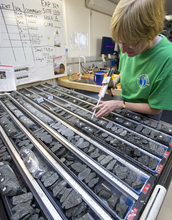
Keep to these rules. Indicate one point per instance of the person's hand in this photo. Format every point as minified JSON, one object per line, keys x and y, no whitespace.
{"x":107,"y":107}
{"x":109,"y":92}
{"x":112,"y":85}
{"x":115,"y":82}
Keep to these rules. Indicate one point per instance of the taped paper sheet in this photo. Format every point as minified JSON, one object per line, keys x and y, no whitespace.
{"x":7,"y":78}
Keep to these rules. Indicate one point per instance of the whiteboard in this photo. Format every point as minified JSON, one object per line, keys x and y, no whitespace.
{"x":32,"y":39}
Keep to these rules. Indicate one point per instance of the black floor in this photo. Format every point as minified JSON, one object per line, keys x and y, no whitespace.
{"x":166,"y":115}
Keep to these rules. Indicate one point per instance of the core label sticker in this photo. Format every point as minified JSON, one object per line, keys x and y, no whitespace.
{"x":146,"y":188}
{"x":166,"y":154}
{"x":50,"y":97}
{"x":40,"y":100}
{"x":159,"y":168}
{"x":132,"y":214}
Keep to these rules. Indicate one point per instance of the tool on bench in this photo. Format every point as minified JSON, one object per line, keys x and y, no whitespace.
{"x":106,"y":84}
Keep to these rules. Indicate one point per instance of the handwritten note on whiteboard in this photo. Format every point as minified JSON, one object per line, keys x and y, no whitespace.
{"x":32,"y":34}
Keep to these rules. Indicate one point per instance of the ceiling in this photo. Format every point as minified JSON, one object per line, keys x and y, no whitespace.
{"x":168,"y":6}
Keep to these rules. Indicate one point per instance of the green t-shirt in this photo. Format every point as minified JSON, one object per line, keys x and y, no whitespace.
{"x":147,"y":77}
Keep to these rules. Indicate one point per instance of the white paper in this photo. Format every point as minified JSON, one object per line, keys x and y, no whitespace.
{"x":25,"y":74}
{"x":7,"y":78}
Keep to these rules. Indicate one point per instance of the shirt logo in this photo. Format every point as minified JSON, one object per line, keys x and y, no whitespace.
{"x":143,"y":81}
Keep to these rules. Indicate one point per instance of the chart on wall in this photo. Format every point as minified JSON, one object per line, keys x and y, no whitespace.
{"x":32,"y":39}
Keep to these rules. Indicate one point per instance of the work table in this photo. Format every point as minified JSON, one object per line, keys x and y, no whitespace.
{"x":74,"y":84}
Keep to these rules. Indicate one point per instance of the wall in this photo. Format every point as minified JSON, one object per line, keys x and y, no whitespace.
{"x":77,"y":26}
{"x":100,"y":27}
{"x":88,"y":23}
{"x":84,"y":29}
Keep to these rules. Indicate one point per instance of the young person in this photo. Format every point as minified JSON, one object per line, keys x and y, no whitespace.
{"x":145,"y":59}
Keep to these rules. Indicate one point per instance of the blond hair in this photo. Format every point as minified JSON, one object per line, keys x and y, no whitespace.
{"x":136,"y":20}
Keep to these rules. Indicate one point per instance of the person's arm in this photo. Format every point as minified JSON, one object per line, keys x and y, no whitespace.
{"x":142,"y":108}
{"x":109,"y":106}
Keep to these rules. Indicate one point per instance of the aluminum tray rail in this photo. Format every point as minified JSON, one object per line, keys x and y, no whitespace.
{"x":26,"y":180}
{"x":147,"y":186}
{"x":134,"y":127}
{"x":104,"y":150}
{"x":132,"y":116}
{"x":135,"y":210}
{"x":101,"y":182}
{"x":152,"y":146}
{"x":49,"y":164}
